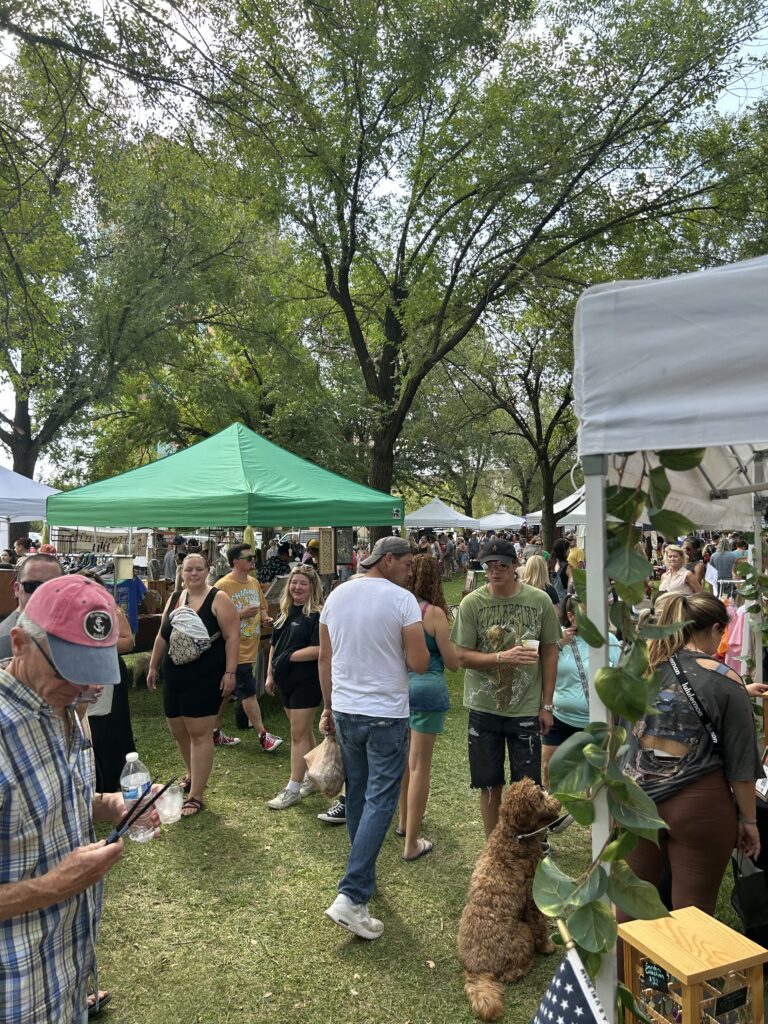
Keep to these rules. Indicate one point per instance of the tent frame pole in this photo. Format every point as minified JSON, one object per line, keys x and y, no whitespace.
{"x":595,"y":468}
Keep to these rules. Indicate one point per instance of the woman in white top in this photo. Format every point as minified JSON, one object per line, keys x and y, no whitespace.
{"x":677,"y":579}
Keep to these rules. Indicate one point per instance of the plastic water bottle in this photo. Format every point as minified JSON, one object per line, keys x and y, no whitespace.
{"x":135,"y":781}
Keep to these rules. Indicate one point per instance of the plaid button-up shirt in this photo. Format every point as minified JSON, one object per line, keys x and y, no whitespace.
{"x":46,"y":795}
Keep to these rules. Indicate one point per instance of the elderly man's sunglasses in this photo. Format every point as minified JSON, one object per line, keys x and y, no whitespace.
{"x":30,"y":586}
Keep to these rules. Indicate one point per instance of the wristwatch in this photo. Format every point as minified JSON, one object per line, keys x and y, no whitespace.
{"x":547,"y":707}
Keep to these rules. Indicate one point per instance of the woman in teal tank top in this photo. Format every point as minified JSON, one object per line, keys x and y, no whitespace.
{"x":429,"y":701}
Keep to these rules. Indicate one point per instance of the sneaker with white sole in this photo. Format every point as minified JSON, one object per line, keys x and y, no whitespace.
{"x":335,"y":815}
{"x":269,"y":742}
{"x":220,"y":739}
{"x":285,"y":798}
{"x":307,"y":787}
{"x":355,"y":917}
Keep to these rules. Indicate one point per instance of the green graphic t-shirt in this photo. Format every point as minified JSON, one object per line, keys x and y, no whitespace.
{"x":487,"y":624}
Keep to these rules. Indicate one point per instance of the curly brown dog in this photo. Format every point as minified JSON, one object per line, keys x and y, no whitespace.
{"x":501,"y":925}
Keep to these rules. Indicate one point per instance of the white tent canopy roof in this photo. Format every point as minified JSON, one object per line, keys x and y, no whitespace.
{"x":674,"y":363}
{"x":678,"y":363}
{"x":437,"y":515}
{"x":22,"y":499}
{"x":501,"y":520}
{"x":559,"y":508}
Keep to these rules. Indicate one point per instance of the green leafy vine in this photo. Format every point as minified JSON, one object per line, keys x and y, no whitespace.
{"x":588,"y":763}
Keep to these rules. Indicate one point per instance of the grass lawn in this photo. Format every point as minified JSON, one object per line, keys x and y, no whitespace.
{"x":221,"y":918}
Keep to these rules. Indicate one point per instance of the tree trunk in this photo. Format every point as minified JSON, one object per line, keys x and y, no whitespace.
{"x":24,"y":450}
{"x":380,"y":473}
{"x":547,"y":501}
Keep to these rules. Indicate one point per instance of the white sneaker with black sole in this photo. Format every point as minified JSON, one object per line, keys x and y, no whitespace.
{"x":354,"y":917}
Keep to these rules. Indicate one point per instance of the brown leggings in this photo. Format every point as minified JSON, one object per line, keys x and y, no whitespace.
{"x":702,"y":828}
{"x":701,"y":831}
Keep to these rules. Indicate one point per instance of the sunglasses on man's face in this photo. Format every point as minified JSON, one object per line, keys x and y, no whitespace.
{"x":247,"y":558}
{"x":30,"y":586}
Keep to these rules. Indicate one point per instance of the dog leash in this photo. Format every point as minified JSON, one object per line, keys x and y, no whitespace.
{"x":544,"y":828}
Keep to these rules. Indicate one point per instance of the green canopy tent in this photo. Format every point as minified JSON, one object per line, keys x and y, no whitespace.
{"x":232,"y":478}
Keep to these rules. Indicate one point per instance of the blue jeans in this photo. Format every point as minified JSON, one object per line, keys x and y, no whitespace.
{"x":374,"y":751}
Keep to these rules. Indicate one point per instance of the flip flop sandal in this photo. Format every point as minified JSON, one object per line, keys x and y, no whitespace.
{"x":425,"y":847}
{"x":185,"y":783}
{"x":98,"y":1004}
{"x":400,"y":832}
{"x":193,"y":805}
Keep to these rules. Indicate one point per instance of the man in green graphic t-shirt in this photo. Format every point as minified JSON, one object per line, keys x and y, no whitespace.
{"x":506,"y":634}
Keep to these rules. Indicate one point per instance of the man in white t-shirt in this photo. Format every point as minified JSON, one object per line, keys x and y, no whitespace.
{"x":370,"y":636}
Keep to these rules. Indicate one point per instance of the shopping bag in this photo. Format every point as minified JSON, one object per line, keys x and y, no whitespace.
{"x":325,"y":767}
{"x":750,"y":892}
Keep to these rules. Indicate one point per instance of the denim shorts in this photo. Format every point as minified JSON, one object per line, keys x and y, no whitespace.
{"x":559,"y":732}
{"x":490,"y":736}
{"x":245,"y":684}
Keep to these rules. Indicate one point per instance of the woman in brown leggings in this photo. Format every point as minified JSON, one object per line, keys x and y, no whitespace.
{"x":700,"y":772}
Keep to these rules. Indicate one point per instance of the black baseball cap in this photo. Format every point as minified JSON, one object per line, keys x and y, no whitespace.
{"x":499,"y":551}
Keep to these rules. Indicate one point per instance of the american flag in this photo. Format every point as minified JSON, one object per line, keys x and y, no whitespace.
{"x":570,"y":998}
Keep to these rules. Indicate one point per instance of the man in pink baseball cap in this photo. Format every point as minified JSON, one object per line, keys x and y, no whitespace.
{"x":51,"y":868}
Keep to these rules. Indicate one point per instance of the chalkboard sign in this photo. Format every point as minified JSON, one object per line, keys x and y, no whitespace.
{"x":655,"y":977}
{"x":731,"y":1001}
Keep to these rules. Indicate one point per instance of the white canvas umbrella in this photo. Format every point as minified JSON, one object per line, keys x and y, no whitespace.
{"x":437,"y":515}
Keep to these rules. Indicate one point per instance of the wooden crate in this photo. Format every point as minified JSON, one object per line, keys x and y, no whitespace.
{"x":689,"y":968}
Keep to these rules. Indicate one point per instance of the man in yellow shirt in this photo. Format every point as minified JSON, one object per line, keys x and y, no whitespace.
{"x":248,"y":597}
{"x":577,"y":557}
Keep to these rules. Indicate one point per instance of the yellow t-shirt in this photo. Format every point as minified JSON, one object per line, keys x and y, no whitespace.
{"x":243,"y":595}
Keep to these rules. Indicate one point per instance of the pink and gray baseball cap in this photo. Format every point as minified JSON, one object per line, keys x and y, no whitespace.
{"x":80,"y":620}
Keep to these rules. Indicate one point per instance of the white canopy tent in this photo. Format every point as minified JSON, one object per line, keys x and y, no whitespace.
{"x":667,"y":365}
{"x":21,"y":499}
{"x":501,"y":520}
{"x":436,"y":515}
{"x":559,"y":508}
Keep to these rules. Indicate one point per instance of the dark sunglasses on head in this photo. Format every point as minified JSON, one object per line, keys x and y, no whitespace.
{"x":30,"y":586}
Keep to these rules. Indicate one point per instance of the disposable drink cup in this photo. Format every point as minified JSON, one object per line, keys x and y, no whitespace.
{"x":169,"y":805}
{"x":531,"y":645}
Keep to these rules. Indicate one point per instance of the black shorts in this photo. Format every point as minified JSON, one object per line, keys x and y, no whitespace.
{"x":305,"y":693}
{"x":245,"y":684}
{"x":490,"y":736}
{"x":559,"y":733}
{"x":196,"y":699}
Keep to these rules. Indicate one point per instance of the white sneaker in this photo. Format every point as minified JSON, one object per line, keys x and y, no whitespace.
{"x":307,"y":787}
{"x":355,"y":917}
{"x":285,"y":798}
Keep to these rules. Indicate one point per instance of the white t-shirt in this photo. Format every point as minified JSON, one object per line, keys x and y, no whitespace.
{"x":365,"y":619}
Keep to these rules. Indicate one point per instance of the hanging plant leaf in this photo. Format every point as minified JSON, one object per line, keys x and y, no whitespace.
{"x":592,"y":888}
{"x":579,"y":577}
{"x":660,"y":487}
{"x":625,"y":565}
{"x":597,"y":756}
{"x":592,"y":961}
{"x":637,"y":898}
{"x":632,"y":593}
{"x":588,"y":631}
{"x":569,"y":771}
{"x":651,"y":632}
{"x":626,"y":999}
{"x":593,"y":927}
{"x":670,"y":523}
{"x":599,"y":731}
{"x":581,"y":807}
{"x":552,"y":889}
{"x":679,"y":461}
{"x":621,"y":617}
{"x":635,"y":811}
{"x":619,"y":847}
{"x":621,"y":692}
{"x":625,"y":503}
